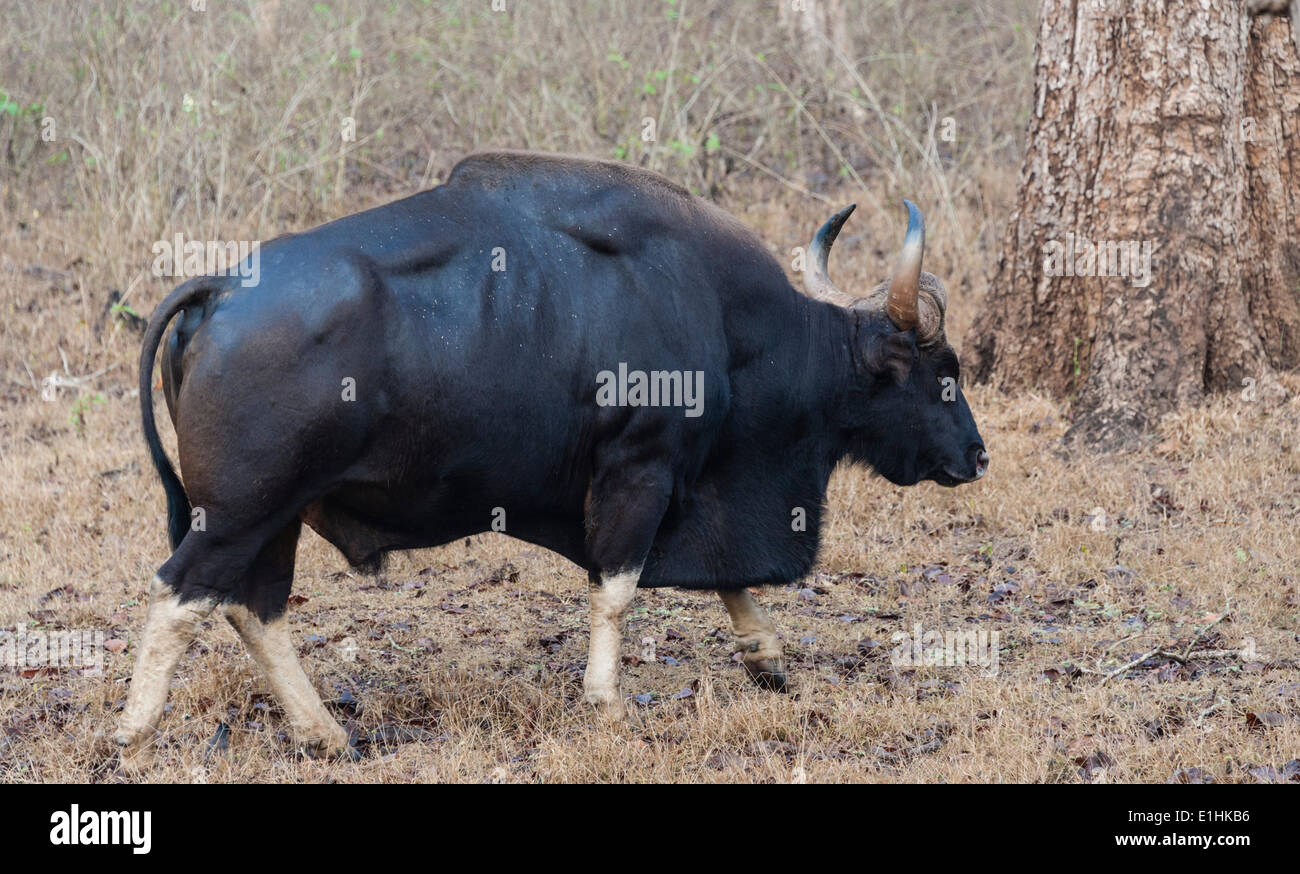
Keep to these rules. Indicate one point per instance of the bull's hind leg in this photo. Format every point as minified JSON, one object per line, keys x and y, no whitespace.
{"x":258,"y":614}
{"x":760,"y":648}
{"x":272,"y":648}
{"x":168,"y":631}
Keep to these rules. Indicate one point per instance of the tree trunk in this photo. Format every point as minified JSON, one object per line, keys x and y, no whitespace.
{"x":1164,"y":131}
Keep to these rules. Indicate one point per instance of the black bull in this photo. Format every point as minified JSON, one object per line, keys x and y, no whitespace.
{"x":418,"y":372}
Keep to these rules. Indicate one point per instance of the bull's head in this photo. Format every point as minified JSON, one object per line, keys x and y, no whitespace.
{"x":905,"y":410}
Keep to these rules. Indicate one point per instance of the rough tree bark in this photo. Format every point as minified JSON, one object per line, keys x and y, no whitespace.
{"x":1171,"y":125}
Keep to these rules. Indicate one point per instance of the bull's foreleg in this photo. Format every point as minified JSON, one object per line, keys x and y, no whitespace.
{"x":625,"y":505}
{"x":610,"y":599}
{"x":272,"y":648}
{"x":760,"y":648}
{"x":168,"y":631}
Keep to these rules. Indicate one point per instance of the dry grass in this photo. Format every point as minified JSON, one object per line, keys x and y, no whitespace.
{"x":464,"y":663}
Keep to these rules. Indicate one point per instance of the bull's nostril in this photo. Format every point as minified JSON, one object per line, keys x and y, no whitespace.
{"x":981,"y":464}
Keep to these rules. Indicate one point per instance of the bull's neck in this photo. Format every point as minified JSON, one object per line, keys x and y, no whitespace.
{"x":829,"y":368}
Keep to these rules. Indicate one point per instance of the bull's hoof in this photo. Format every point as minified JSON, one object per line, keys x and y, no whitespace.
{"x":135,"y":754}
{"x":331,"y":752}
{"x":338,"y":747}
{"x":767,"y":673}
{"x":125,"y":739}
{"x":609,"y":706}
{"x":135,"y":746}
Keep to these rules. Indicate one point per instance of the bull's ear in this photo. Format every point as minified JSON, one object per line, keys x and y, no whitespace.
{"x":890,"y":354}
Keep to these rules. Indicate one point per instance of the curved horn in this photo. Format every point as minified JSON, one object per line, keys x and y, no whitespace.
{"x":815,"y":278}
{"x":905,"y":284}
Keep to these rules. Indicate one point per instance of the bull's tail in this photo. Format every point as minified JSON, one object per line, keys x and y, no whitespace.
{"x":188,"y":294}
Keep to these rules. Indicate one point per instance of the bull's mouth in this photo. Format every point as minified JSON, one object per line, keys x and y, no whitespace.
{"x":948,"y":479}
{"x":948,"y":475}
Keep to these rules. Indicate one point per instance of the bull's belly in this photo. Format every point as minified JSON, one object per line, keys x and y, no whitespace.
{"x":364,"y":522}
